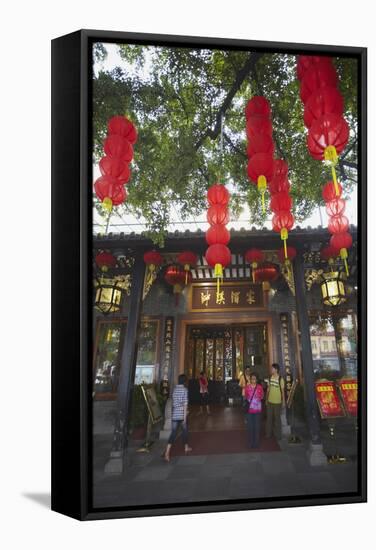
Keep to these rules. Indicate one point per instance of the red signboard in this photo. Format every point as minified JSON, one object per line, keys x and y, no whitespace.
{"x":349,"y":392}
{"x":328,"y":399}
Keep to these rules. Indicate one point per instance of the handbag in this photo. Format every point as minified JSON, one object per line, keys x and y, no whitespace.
{"x":246,"y":403}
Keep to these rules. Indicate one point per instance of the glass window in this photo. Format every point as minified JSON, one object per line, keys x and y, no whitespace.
{"x":107,"y":357}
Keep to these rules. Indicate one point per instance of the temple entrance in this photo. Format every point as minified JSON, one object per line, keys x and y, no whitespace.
{"x":222,"y":352}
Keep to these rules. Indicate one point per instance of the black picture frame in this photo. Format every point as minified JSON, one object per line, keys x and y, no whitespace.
{"x":71,"y":275}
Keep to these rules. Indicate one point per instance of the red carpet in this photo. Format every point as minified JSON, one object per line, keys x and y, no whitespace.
{"x":221,"y":442}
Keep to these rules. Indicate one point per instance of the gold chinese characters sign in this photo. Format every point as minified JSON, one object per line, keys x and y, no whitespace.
{"x":237,"y":296}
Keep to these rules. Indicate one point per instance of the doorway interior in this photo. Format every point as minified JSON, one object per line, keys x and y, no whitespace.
{"x":222,"y":352}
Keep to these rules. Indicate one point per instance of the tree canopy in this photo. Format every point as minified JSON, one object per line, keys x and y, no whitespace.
{"x":178,"y":99}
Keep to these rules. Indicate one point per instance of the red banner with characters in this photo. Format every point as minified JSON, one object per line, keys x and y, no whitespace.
{"x":328,"y":399}
{"x":349,"y":392}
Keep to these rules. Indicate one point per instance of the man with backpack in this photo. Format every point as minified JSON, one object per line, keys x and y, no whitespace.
{"x":275,"y":400}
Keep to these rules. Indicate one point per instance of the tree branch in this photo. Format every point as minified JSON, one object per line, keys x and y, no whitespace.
{"x":241,"y":75}
{"x":233,"y":146}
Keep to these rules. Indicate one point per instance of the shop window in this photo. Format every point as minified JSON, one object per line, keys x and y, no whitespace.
{"x":334,"y":333}
{"x":107,"y":356}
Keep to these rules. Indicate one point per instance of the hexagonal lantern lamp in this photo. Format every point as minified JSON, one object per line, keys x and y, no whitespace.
{"x":108,"y":295}
{"x":333,"y":288}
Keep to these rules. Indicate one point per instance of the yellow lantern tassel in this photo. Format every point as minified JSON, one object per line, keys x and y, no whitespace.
{"x":344,"y":255}
{"x":284,"y":237}
{"x":261,"y":186}
{"x":254,"y":266}
{"x":330,"y":155}
{"x":218,"y":272}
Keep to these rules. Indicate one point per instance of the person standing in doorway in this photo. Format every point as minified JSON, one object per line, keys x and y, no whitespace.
{"x":179,"y":416}
{"x":275,"y":400}
{"x":204,"y":393}
{"x":254,"y":394}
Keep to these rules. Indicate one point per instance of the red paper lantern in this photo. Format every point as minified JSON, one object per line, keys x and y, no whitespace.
{"x":265,"y":274}
{"x":115,"y":167}
{"x":329,"y":191}
{"x":278,"y":185}
{"x":122,"y":126}
{"x":258,"y":105}
{"x":317,"y":76}
{"x":258,"y":124}
{"x":336,"y":207}
{"x":118,"y":146}
{"x":218,"y":194}
{"x":104,"y":260}
{"x":260,"y":143}
{"x":280,"y":201}
{"x":218,"y":254}
{"x":254,"y":256}
{"x":152,"y":257}
{"x":291,"y":254}
{"x":175,"y":276}
{"x":218,"y":214}
{"x":109,"y":191}
{"x":323,"y":101}
{"x":187,"y":259}
{"x":282,"y":220}
{"x":341,"y":242}
{"x":327,"y":131}
{"x":280,"y":168}
{"x":217,"y":234}
{"x":305,"y":62}
{"x":338,"y":224}
{"x":329,"y":253}
{"x":260,"y":164}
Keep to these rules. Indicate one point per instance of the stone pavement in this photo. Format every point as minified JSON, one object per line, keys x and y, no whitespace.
{"x":149,"y":480}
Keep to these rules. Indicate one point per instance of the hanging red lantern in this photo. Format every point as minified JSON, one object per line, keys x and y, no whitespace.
{"x":104,"y":260}
{"x":327,"y":137}
{"x":317,"y":76}
{"x":122,"y":126}
{"x":115,"y":167}
{"x":265,"y":274}
{"x":336,"y":207}
{"x":323,"y":101}
{"x":218,"y":257}
{"x":153,"y":258}
{"x":280,"y":201}
{"x":258,"y":105}
{"x":109,"y":191}
{"x":188,"y":260}
{"x":260,"y":171}
{"x":258,"y":124}
{"x":278,"y":185}
{"x":328,"y":253}
{"x":218,"y":194}
{"x":254,"y":256}
{"x":291,"y":254}
{"x":217,"y":234}
{"x":260,"y":143}
{"x":341,"y":242}
{"x":305,"y":62}
{"x":329,"y":191}
{"x":218,"y":214}
{"x":338,"y":224}
{"x":280,"y":168}
{"x":117,"y":146}
{"x":282,"y":223}
{"x":175,"y":276}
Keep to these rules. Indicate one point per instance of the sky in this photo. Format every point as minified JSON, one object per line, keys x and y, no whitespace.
{"x":129,"y":223}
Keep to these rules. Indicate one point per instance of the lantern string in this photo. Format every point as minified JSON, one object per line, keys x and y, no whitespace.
{"x":108,"y":220}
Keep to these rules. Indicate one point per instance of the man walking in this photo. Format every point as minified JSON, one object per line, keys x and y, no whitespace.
{"x":179,"y":416}
{"x":275,"y":400}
